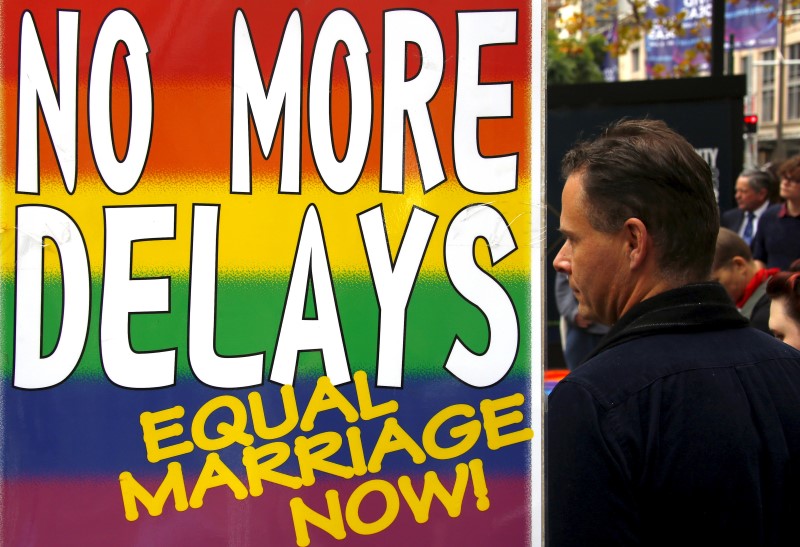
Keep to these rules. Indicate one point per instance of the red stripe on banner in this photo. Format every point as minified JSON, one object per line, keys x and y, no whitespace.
{"x":193,"y":39}
{"x":191,"y":67}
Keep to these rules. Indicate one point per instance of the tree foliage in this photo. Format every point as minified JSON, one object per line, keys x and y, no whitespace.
{"x":573,"y":60}
{"x":636,"y":21}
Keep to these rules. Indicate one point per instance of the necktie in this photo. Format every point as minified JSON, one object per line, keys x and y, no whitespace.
{"x":747,"y":235}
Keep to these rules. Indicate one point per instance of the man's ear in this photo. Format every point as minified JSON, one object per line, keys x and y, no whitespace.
{"x":638,"y":242}
{"x":739,"y":263}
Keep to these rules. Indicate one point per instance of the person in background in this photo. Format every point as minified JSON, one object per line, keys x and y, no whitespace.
{"x":784,"y":291}
{"x":743,"y":279}
{"x":774,"y":191}
{"x":777,"y":241}
{"x":681,"y":428}
{"x":753,"y":187}
{"x":582,"y":335}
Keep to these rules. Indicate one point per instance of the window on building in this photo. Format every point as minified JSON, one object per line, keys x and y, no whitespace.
{"x":768,"y":105}
{"x":744,"y":68}
{"x":768,"y":87}
{"x":793,"y":88}
{"x":635,"y":59}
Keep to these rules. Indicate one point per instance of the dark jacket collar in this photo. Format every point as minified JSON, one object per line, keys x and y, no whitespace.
{"x":695,"y":307}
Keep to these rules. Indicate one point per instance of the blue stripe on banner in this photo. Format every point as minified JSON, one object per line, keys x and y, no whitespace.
{"x":92,"y":429}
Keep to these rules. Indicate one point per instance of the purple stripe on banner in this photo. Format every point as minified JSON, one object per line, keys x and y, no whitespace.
{"x":90,"y":513}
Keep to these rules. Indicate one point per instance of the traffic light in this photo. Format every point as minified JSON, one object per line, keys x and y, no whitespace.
{"x":750,"y":123}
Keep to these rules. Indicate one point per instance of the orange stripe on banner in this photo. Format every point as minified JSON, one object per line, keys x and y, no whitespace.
{"x":192,"y":133}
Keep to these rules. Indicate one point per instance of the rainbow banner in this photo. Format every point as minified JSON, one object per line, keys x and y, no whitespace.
{"x":270,"y":273}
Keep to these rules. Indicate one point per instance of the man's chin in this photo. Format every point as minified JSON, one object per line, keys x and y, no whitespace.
{"x":586,"y":312}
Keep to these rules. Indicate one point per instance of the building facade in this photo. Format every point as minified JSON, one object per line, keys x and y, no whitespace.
{"x":773,"y":75}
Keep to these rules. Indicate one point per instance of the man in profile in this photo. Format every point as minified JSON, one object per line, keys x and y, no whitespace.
{"x":681,"y":428}
{"x":752,"y":192}
{"x":743,"y":278}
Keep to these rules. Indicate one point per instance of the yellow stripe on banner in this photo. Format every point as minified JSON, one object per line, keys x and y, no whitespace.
{"x":259,"y":232}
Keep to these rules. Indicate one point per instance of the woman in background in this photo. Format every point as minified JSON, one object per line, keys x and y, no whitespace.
{"x":784,"y":314}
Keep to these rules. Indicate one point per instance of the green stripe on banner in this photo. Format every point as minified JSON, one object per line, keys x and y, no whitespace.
{"x":249,"y":311}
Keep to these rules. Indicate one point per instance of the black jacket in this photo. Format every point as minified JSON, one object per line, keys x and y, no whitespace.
{"x":732,"y":219}
{"x":682,"y":429}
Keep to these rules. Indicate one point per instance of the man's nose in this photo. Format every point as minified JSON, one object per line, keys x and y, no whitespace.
{"x":562,"y":262}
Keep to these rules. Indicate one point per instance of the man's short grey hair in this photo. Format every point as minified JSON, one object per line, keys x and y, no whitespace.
{"x":758,"y":180}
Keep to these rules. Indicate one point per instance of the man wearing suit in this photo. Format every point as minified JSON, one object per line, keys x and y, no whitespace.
{"x":752,"y":200}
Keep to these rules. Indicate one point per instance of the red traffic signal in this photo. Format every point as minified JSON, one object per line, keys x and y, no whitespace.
{"x":750,"y":123}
